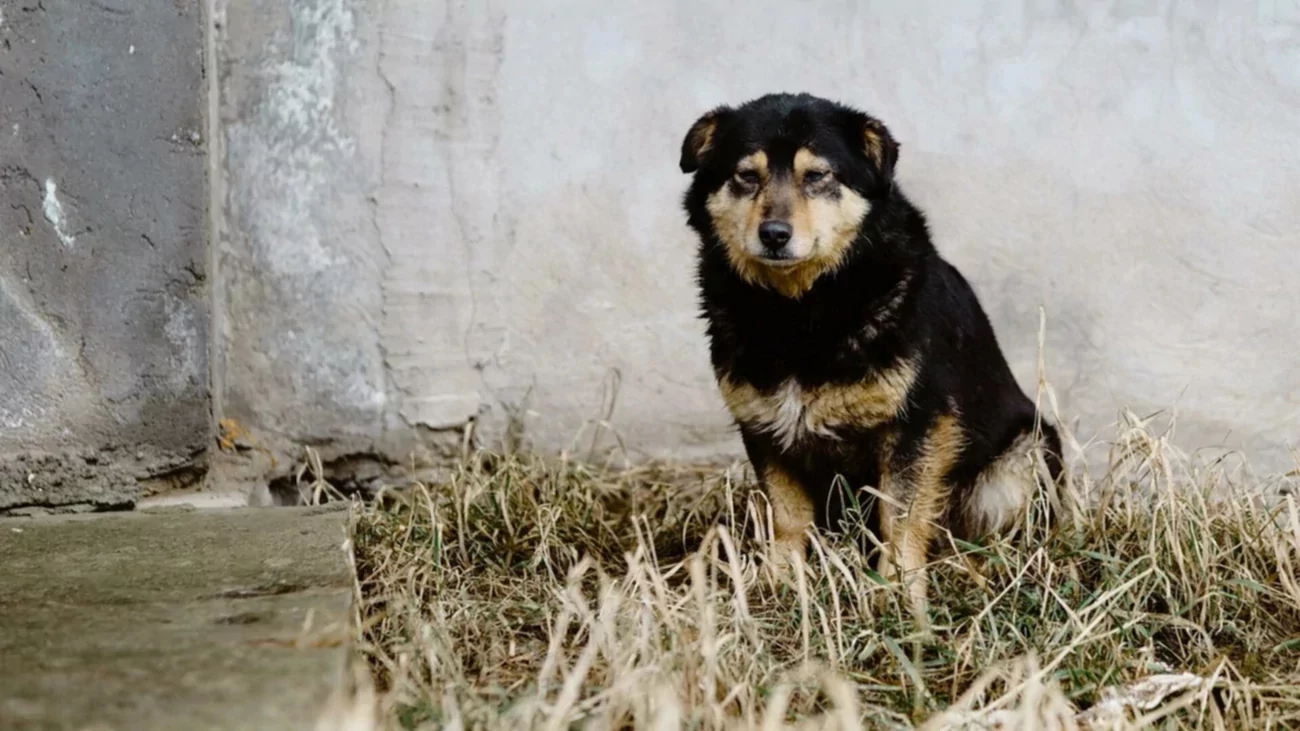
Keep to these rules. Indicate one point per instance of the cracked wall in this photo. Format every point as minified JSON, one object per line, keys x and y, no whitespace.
{"x":444,"y":211}
{"x":103,"y":258}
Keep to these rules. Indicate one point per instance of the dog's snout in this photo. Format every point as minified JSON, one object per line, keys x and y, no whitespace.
{"x":775,"y":234}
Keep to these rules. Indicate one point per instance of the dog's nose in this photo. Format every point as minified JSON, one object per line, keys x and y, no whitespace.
{"x":775,"y":234}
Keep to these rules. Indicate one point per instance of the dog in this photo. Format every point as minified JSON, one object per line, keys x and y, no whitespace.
{"x":843,"y":344}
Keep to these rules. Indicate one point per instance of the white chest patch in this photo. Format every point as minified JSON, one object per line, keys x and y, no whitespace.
{"x":787,"y":415}
{"x":793,"y":413}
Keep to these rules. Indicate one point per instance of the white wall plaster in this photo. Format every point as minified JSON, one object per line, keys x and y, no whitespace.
{"x":53,"y":210}
{"x":302,"y":284}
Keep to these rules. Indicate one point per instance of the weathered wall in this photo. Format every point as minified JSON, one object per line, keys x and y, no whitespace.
{"x":300,"y":266}
{"x":103,"y":304}
{"x":439,"y":211}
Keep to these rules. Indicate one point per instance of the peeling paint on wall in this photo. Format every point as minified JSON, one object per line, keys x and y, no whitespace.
{"x":299,"y":108}
{"x":299,"y":264}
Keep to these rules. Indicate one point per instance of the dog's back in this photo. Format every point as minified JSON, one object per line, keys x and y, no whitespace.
{"x":991,"y":479}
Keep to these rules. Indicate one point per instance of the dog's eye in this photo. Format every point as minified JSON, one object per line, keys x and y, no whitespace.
{"x":816,"y":176}
{"x":748,"y":177}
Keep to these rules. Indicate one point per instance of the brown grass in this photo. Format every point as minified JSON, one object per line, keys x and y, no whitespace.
{"x":528,"y":594}
{"x":524,"y":593}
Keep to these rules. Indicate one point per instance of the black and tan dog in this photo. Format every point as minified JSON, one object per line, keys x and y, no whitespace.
{"x":842,"y":343}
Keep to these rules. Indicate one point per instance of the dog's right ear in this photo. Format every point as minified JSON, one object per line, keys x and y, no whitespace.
{"x":699,"y":139}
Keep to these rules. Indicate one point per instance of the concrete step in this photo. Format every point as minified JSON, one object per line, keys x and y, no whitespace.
{"x":171,"y":619}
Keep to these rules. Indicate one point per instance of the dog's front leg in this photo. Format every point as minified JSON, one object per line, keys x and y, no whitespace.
{"x":918,"y":492}
{"x":792,"y":514}
{"x":909,"y":523}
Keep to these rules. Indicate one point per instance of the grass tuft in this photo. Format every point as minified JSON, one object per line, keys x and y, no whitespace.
{"x":525,"y":593}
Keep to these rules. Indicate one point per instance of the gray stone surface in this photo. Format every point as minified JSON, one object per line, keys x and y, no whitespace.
{"x":83,"y":482}
{"x":103,"y":258}
{"x":172,"y":620}
{"x":494,"y":233}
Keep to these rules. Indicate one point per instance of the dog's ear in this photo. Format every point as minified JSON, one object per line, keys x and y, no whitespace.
{"x":871,"y":137}
{"x":880,"y":146}
{"x":700,"y":138}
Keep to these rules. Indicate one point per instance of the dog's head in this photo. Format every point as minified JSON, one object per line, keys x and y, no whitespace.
{"x":785,"y":182}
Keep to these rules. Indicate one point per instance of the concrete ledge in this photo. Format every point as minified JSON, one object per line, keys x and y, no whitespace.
{"x":172,"y":619}
{"x":72,"y":482}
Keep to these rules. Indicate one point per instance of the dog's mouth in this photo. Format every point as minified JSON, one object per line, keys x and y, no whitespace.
{"x":785,"y":257}
{"x":779,"y":261}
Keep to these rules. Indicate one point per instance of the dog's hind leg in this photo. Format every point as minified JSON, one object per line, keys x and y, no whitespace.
{"x":1001,"y":494}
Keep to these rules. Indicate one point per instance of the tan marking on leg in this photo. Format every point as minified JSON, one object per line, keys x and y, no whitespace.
{"x":792,"y":513}
{"x":888,"y":568}
{"x":916,"y":534}
{"x":923,"y":489}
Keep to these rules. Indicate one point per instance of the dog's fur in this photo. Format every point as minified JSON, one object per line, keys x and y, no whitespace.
{"x":853,"y":350}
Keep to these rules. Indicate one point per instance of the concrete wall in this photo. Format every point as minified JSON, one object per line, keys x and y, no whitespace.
{"x":300,"y":263}
{"x":442,"y":211}
{"x":103,"y":247}
{"x":428,"y":215}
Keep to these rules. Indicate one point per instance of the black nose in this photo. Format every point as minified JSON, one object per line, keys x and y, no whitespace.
{"x":775,"y":234}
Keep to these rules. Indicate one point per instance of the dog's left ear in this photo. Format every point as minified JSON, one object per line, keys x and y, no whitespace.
{"x":873,"y":139}
{"x":880,"y":146}
{"x":700,"y":138}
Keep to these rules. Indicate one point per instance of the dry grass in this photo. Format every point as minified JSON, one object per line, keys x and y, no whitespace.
{"x":527,"y":594}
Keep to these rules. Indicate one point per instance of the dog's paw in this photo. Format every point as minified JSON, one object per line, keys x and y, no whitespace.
{"x":782,"y":561}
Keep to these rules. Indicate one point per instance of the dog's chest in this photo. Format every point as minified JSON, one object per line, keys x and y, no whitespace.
{"x":795,"y":413}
